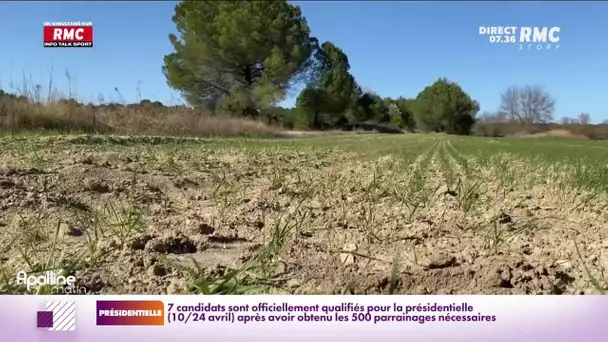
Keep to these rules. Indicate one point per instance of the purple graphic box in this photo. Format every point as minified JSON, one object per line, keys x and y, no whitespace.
{"x":44,"y":319}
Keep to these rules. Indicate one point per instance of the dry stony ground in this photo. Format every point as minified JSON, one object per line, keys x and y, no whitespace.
{"x":418,"y":214}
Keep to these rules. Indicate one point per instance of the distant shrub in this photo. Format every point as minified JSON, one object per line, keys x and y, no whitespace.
{"x":501,"y":129}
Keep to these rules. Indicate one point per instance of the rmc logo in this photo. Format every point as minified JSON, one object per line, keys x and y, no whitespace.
{"x":65,"y":33}
{"x":539,"y":38}
{"x":68,"y":34}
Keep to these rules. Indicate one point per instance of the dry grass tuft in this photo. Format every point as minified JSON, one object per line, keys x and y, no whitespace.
{"x":70,"y":116}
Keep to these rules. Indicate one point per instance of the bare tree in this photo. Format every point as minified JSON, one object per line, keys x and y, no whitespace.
{"x":566,"y":121}
{"x":528,"y":105}
{"x":584,"y":119}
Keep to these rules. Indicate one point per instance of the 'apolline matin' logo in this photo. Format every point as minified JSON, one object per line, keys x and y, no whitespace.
{"x":55,"y":283}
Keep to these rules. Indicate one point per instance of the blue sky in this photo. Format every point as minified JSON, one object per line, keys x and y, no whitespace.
{"x":395,"y":48}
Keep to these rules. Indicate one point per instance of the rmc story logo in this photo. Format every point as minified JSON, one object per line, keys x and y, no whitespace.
{"x":524,"y":37}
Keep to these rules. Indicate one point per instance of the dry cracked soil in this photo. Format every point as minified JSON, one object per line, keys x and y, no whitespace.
{"x":332,"y":215}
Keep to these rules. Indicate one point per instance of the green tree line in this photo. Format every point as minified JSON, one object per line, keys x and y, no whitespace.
{"x":245,"y":57}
